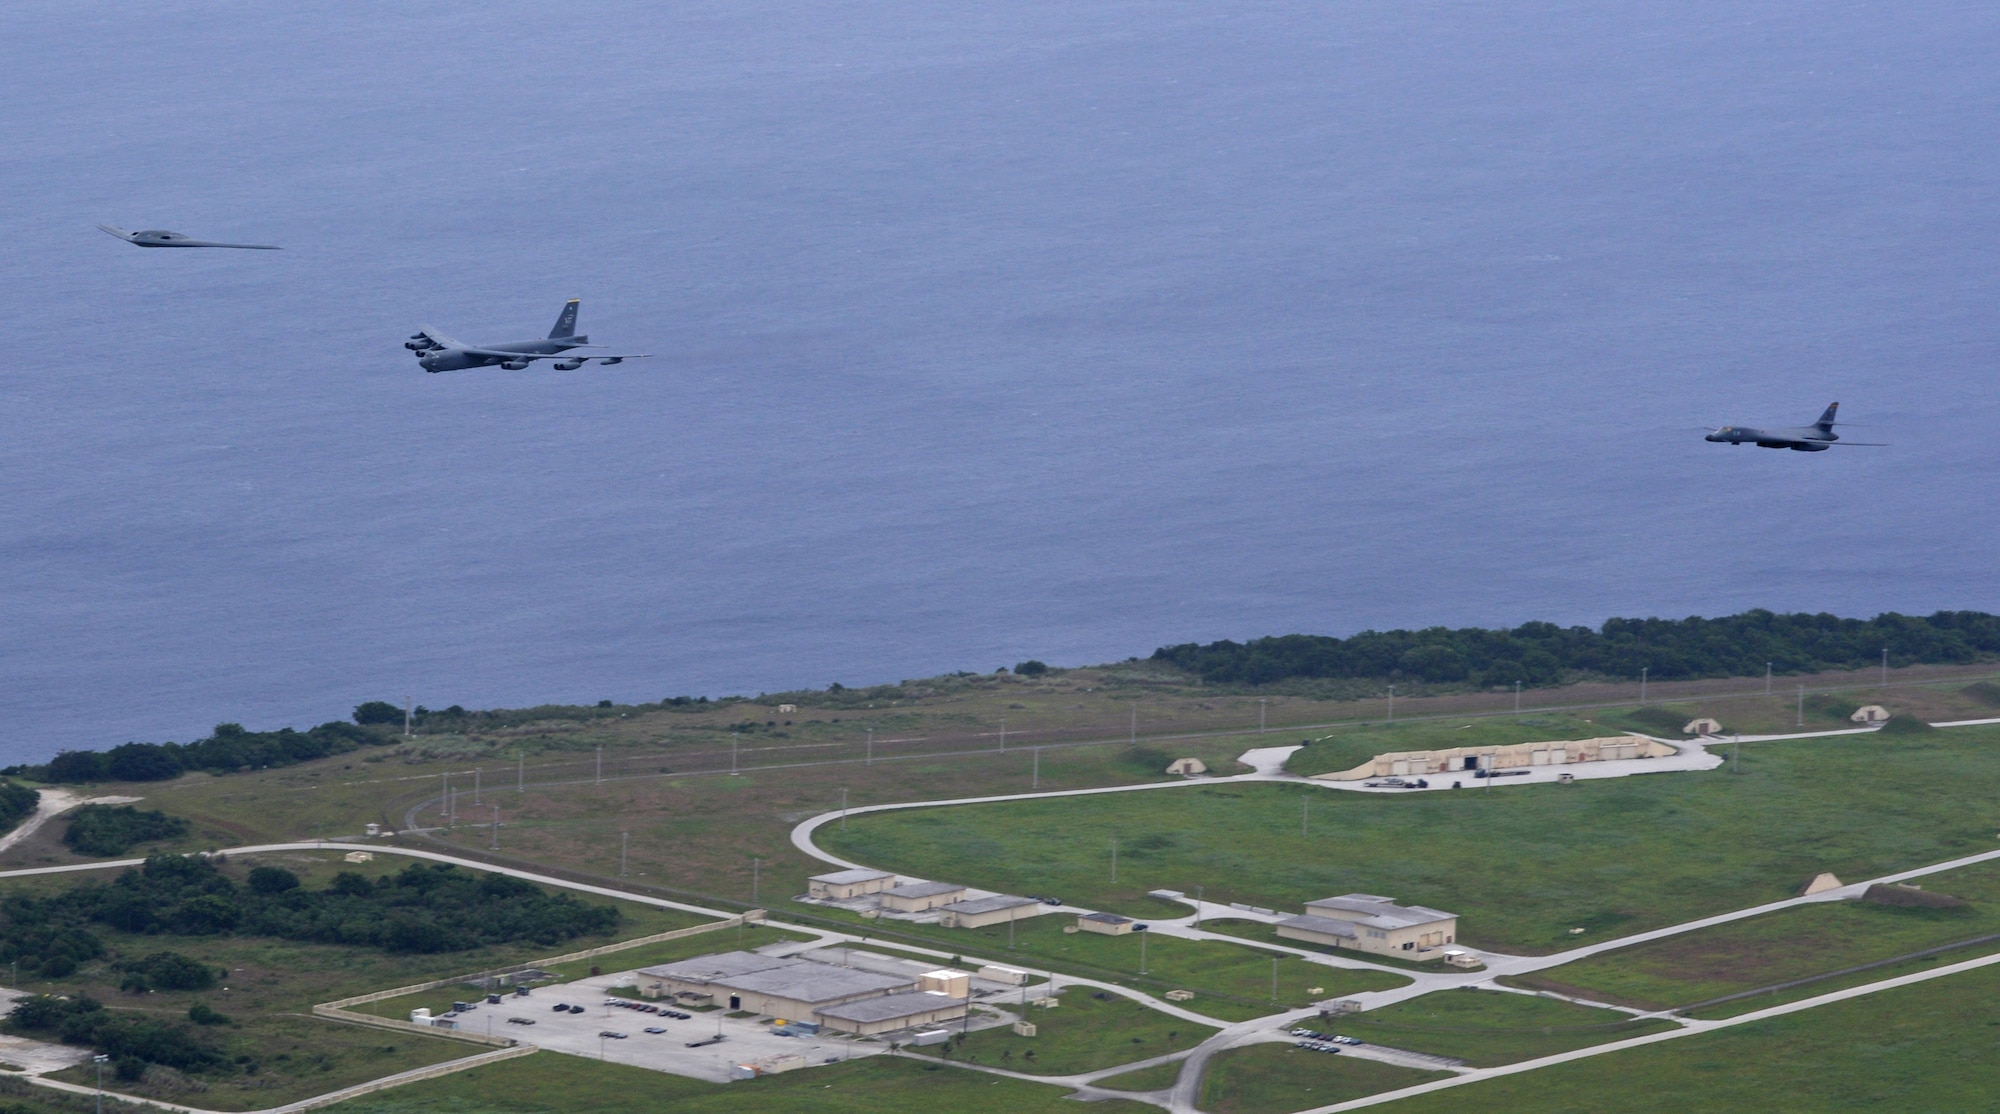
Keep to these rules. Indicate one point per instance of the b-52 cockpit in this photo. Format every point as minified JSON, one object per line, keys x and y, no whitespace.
{"x":437,"y":352}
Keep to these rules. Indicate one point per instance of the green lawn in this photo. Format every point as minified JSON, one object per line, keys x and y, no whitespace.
{"x":1091,"y":1030}
{"x":1778,"y":947}
{"x":1159,"y":1077}
{"x":548,"y":1083}
{"x":1348,"y":747}
{"x":1921,"y":1048}
{"x":1521,"y":865}
{"x":1486,"y":1028}
{"x":1230,"y":982}
{"x":1278,"y":1078}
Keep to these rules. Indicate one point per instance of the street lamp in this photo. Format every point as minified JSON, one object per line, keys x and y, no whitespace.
{"x":100,"y":1060}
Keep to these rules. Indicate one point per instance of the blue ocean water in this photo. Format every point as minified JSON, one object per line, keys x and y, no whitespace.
{"x":984,"y":331}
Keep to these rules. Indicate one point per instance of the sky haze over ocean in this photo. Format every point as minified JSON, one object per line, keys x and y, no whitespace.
{"x":985,"y":332}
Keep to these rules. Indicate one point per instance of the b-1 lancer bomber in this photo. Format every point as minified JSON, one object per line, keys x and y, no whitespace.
{"x":437,"y":352}
{"x":155,"y":238}
{"x":1815,"y":438}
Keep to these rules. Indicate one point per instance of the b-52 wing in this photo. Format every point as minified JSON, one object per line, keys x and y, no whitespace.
{"x":571,"y":354}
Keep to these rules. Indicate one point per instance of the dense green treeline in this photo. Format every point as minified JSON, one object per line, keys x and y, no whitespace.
{"x":115,"y":829}
{"x":17,"y":803}
{"x":421,"y":909}
{"x":231,"y":747}
{"x":1544,"y":654}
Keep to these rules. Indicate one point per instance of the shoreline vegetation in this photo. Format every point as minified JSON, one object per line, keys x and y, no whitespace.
{"x":1436,"y":661}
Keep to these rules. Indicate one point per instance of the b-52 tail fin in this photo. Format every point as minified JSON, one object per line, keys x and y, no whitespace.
{"x":565,"y":322}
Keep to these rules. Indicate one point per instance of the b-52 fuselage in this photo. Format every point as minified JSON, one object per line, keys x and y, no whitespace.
{"x":436,"y":352}
{"x":1815,"y":438}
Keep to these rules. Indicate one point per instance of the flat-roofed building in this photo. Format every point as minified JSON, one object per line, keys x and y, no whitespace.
{"x":957,"y":984}
{"x":1105,"y":924}
{"x":979,"y":912}
{"x":845,"y":885}
{"x":891,"y":1012}
{"x":790,"y":988}
{"x":921,"y":897}
{"x":1370,"y":923}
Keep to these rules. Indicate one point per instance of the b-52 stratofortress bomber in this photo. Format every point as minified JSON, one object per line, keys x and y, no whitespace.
{"x":437,"y":352}
{"x":1815,"y":438}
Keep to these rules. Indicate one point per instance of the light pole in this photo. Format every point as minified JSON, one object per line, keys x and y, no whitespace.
{"x":495,"y":845}
{"x":1274,"y":978}
{"x":475,"y":786}
{"x":1035,"y":778}
{"x":1643,"y":670}
{"x":100,"y":1059}
{"x":600,"y":765}
{"x":1114,"y":860}
{"x":843,"y":808}
{"x":444,"y":801}
{"x":1003,"y":734}
{"x":1135,"y":721}
{"x":732,"y":755}
{"x":756,"y":869}
{"x":1392,"y":703}
{"x":624,"y":845}
{"x":520,"y":771}
{"x":1260,"y":714}
{"x":1802,"y":705}
{"x":1197,"y":908}
{"x":870,"y":759}
{"x":1305,"y":818}
{"x":1517,"y":698}
{"x":1142,"y":951}
{"x":1885,"y":667}
{"x":1767,"y":678}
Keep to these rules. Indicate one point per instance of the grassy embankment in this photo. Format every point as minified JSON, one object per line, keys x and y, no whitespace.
{"x":1926,"y":1047}
{"x":280,"y":1053}
{"x":1487,"y":1028}
{"x":1277,"y":1078}
{"x":1521,"y":864}
{"x":1789,"y":944}
{"x":1349,"y":747}
{"x":1091,"y":1030}
{"x":549,"y":1083}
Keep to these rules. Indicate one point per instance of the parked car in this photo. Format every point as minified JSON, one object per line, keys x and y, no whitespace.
{"x":655,"y":1029}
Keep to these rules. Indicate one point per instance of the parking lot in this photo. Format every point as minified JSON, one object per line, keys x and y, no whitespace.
{"x":745,"y":1041}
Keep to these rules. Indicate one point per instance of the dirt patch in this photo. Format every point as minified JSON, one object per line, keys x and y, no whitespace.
{"x":1910,"y":897}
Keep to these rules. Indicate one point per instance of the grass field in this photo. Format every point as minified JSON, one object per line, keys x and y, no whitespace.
{"x":548,"y":1083}
{"x":1278,"y":1078}
{"x":1782,"y":946}
{"x":1486,"y":1028}
{"x":1091,"y":1030}
{"x":1348,"y":747}
{"x":1231,"y":982}
{"x":1927,"y":1047}
{"x":1521,"y":865}
{"x":1159,"y":1077}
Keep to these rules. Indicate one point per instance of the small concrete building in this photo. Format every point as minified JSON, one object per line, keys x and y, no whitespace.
{"x":845,"y":885}
{"x":1105,"y":924}
{"x":1870,"y":714}
{"x":1702,"y":726}
{"x":983,"y":911}
{"x":886,"y":1014}
{"x":956,"y":984}
{"x":1011,"y":976}
{"x":921,"y":897}
{"x":1366,"y":922}
{"x":1187,"y":767}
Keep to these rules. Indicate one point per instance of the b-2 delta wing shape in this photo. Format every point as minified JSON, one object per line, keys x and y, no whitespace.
{"x":436,"y":352}
{"x":1815,"y":438}
{"x":155,"y":238}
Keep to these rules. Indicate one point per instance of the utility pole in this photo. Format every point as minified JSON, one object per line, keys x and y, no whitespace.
{"x":1142,"y":951}
{"x":406,"y":734}
{"x":495,"y":844}
{"x":624,"y":845}
{"x":843,"y":808}
{"x":1003,"y":734}
{"x":100,"y":1060}
{"x":600,"y":764}
{"x":520,"y":771}
{"x":1260,"y":714}
{"x":1135,"y":721}
{"x":1643,"y":670}
{"x":1885,"y":667}
{"x":1305,"y":818}
{"x":1767,"y":678}
{"x":475,"y":786}
{"x":1274,"y":978}
{"x":1197,"y":908}
{"x":1035,"y":778}
{"x":1392,"y":703}
{"x":756,"y":870}
{"x":732,"y":755}
{"x":870,"y":760}
{"x":1802,"y":705}
{"x":444,"y":801}
{"x":454,"y":810}
{"x":1114,"y":860}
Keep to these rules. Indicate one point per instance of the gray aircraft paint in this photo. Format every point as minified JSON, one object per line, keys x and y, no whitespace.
{"x":158,"y":238}
{"x":436,"y":352}
{"x":1815,"y":438}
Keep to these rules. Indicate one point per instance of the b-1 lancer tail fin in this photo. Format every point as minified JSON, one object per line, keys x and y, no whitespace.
{"x":565,"y":322}
{"x":1825,"y":422}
